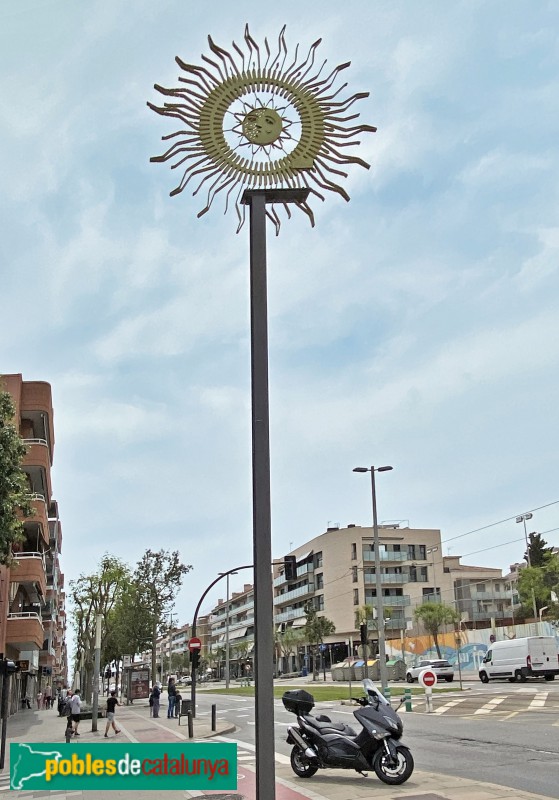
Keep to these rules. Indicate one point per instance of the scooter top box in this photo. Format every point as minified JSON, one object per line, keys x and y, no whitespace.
{"x":298,"y":701}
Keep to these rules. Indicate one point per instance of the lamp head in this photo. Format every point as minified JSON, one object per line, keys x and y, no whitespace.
{"x":384,"y":469}
{"x":361,"y":469}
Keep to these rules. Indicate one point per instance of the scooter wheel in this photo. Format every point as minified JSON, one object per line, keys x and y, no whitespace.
{"x":391,"y":773}
{"x":301,"y":765}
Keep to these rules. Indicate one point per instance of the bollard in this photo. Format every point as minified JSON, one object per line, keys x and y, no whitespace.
{"x":214,"y":710}
{"x":387,"y":693}
{"x":68,"y":733}
{"x":407,"y":699}
{"x":190,"y":726}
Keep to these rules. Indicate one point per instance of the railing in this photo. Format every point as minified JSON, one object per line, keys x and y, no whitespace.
{"x":26,"y":615}
{"x":300,"y":591}
{"x":490,"y":595}
{"x":479,"y":615}
{"x":27,"y":555}
{"x":386,"y":555}
{"x":388,"y":577}
{"x":396,"y":600}
{"x":36,"y":441}
{"x":293,"y":613}
{"x":233,"y":609}
{"x":37,"y":496}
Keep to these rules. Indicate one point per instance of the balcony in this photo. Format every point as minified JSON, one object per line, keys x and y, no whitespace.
{"x":388,"y":577}
{"x":505,"y":596}
{"x":385,"y":555}
{"x":39,"y":517}
{"x":29,"y":569}
{"x":301,"y":591}
{"x":285,"y":616}
{"x":36,"y":463}
{"x":487,"y":615}
{"x":25,"y":631}
{"x":390,"y":601}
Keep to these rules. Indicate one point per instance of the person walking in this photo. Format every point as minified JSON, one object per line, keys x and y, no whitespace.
{"x":171,"y":695}
{"x":75,"y":706}
{"x":39,"y":701}
{"x":156,"y":695}
{"x":48,"y":696}
{"x":112,"y":703}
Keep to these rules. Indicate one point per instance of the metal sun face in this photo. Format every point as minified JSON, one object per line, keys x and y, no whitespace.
{"x":257,"y":120}
{"x":262,"y":126}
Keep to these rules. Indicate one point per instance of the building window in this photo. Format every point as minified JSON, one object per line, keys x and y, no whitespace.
{"x":423,"y":574}
{"x":413,"y":574}
{"x":319,"y":602}
{"x":353,"y":551}
{"x":320,"y":581}
{"x":411,"y":551}
{"x":422,"y":552}
{"x":318,"y":560}
{"x":481,"y":587}
{"x":354,"y":574}
{"x":356,"y":597}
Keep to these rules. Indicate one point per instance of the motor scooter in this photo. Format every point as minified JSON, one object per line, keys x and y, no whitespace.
{"x":319,"y":743}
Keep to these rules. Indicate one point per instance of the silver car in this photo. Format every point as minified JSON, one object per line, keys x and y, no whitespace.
{"x":442,"y":669}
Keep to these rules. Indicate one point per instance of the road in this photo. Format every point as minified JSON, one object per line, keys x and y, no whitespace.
{"x":499,"y":733}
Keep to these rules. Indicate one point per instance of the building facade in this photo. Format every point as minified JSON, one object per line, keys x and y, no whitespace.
{"x":32,"y":613}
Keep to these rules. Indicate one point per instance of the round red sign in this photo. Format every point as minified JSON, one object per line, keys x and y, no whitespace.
{"x":428,"y":678}
{"x":194,"y":644}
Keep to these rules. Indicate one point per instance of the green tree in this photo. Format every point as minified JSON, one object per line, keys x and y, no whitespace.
{"x":158,"y":576}
{"x":14,"y":488}
{"x":316,"y":629}
{"x":538,"y":583}
{"x":433,"y":616}
{"x":288,"y":642}
{"x":539,"y":552}
{"x":93,"y":595}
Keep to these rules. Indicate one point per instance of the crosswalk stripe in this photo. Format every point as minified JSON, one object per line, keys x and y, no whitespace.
{"x":490,"y":706}
{"x":450,"y":704}
{"x":539,"y":700}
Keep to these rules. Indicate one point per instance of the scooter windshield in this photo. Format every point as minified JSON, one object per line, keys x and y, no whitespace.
{"x":373,"y":693}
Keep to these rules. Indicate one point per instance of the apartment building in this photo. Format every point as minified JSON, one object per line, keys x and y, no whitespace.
{"x":232,"y":619}
{"x":32,"y":613}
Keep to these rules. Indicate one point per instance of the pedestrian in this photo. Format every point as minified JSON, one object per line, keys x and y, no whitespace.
{"x":75,"y":706}
{"x":66,"y":712}
{"x":171,"y":695}
{"x":39,"y":701}
{"x":156,"y":694}
{"x":151,"y":703}
{"x":112,"y":703}
{"x":48,"y":696}
{"x":178,"y":701}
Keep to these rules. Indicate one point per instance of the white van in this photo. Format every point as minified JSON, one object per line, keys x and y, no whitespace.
{"x":520,"y":659}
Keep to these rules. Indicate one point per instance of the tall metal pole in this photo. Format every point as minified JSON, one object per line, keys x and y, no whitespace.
{"x":378,"y":585}
{"x":261,"y":506}
{"x":96,"y":671}
{"x":227,"y":637}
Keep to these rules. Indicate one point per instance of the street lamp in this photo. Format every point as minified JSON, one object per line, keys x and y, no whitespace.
{"x":541,"y":613}
{"x":378,"y":582}
{"x":227,"y":628}
{"x":523,"y":518}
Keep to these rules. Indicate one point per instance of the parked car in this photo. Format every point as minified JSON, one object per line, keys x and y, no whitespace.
{"x":442,"y":669}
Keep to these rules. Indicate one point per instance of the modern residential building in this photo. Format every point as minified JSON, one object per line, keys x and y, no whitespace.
{"x":233,"y":620}
{"x":335,"y":571}
{"x":32,"y":614}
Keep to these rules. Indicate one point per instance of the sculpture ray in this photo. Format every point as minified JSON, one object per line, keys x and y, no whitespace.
{"x":252,"y":118}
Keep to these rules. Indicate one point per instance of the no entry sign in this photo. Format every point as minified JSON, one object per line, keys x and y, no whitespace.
{"x":427,"y":678}
{"x":194,"y":644}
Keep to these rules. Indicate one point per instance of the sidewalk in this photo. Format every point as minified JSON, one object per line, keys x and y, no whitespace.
{"x":136,"y":725}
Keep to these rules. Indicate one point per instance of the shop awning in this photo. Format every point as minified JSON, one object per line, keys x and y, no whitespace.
{"x":237,"y":634}
{"x":304,"y":556}
{"x":299,"y":623}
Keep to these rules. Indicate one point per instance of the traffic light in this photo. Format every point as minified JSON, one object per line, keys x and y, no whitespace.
{"x":363,"y":632}
{"x":195,"y":659}
{"x":290,"y":567}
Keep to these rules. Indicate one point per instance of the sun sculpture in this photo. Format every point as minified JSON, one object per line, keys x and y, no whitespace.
{"x":253,"y":119}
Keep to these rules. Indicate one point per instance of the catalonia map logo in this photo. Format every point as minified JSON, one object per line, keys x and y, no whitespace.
{"x":60,"y":767}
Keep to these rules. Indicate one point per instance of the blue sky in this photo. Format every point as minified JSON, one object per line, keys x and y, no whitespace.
{"x":415,"y":326}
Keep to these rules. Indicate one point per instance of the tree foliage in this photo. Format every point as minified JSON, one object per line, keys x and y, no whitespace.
{"x":93,"y":595}
{"x":540,"y":584}
{"x":316,"y":628}
{"x":158,"y":577}
{"x":538,"y":551}
{"x":433,"y":616}
{"x":14,"y":489}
